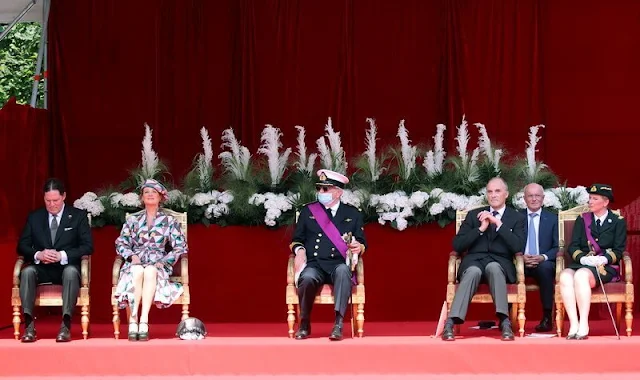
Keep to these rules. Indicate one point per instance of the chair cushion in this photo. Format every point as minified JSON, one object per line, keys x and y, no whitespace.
{"x":484,"y":289}
{"x":326,"y":290}
{"x":49,"y":291}
{"x":611,"y":288}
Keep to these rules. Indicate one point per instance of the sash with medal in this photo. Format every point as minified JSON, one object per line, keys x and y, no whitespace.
{"x":596,"y":248}
{"x":330,"y":229}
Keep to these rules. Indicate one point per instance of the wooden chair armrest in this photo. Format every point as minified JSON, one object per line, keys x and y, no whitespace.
{"x":115,"y":272}
{"x":184,"y":268}
{"x":360,"y":271}
{"x":520,"y":267}
{"x":16,"y":270}
{"x":291,"y":269}
{"x":559,"y":264}
{"x":628,"y":268}
{"x":451,"y":272}
{"x":85,"y":270}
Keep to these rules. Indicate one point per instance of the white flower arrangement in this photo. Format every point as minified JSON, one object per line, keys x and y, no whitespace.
{"x":407,"y":151}
{"x":434,"y":160}
{"x":91,"y":203}
{"x":374,"y":165}
{"x":468,"y":165}
{"x":236,"y":161}
{"x":304,"y":163}
{"x":533,"y":167}
{"x":274,"y":204}
{"x":333,"y":157}
{"x":435,"y":197}
{"x":484,"y":143}
{"x":150,"y":163}
{"x":271,"y":148}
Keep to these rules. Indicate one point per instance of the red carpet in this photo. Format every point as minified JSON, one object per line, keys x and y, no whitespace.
{"x":263,"y":351}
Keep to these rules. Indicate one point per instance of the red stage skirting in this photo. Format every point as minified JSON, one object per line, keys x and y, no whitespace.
{"x":238,"y":274}
{"x":403,"y":349}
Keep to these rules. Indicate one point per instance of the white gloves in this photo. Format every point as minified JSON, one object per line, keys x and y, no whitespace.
{"x":601,"y":260}
{"x":593,"y":261}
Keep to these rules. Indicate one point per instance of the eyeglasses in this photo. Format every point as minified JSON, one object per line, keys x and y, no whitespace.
{"x":324,"y":188}
{"x":535,"y":196}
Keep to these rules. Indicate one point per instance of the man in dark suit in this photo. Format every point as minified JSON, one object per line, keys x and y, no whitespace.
{"x":490,"y":236}
{"x":541,"y":249}
{"x":319,"y":246}
{"x":53,"y":241}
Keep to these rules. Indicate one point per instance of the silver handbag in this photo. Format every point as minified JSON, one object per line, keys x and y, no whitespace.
{"x":191,"y":329}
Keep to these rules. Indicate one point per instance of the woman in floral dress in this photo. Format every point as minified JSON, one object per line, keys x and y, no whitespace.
{"x":144,"y":277}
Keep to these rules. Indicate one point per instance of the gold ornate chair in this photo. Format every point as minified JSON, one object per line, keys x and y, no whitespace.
{"x":617,"y":292}
{"x":48,"y":294}
{"x":180,"y":274}
{"x":516,"y":293}
{"x":325,"y":297}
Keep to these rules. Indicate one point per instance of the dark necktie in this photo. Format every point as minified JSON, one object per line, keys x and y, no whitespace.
{"x":54,"y":228}
{"x":492,"y":227}
{"x":598,"y":225}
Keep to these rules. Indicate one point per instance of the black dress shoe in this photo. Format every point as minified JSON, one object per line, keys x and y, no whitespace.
{"x":29,"y":334}
{"x":336,"y":333}
{"x":545,"y":325}
{"x":447,"y":333}
{"x":507,"y":332}
{"x":304,"y":330}
{"x":64,"y":335}
{"x":302,"y":334}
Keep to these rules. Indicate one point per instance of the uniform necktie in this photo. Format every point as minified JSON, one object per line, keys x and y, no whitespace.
{"x":54,"y":228}
{"x":533,"y":246}
{"x":598,"y":225}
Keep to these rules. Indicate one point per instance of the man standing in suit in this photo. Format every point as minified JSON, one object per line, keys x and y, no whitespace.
{"x":320,"y":248}
{"x":541,"y":249}
{"x":490,"y":236}
{"x":53,"y":241}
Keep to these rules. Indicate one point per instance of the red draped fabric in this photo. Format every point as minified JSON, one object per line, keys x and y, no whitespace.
{"x":181,"y":65}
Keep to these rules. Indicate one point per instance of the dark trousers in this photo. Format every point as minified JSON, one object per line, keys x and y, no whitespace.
{"x":313,"y":278}
{"x":469,"y":282}
{"x":32,"y":275}
{"x":545,"y":275}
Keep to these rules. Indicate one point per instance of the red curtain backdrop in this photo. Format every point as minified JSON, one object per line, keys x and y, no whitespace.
{"x":181,"y":65}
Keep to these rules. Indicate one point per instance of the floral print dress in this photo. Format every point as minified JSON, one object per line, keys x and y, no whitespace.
{"x":149,"y":243}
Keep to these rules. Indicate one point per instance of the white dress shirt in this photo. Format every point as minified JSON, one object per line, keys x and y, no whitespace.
{"x":64,"y":260}
{"x":601,"y":218}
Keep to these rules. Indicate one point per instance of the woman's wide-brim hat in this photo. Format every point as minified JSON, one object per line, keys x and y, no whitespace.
{"x":157,"y":186}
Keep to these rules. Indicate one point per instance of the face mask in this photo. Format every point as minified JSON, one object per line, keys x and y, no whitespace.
{"x":325,"y":198}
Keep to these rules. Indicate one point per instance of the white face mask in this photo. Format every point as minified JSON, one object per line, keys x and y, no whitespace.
{"x":325,"y":198}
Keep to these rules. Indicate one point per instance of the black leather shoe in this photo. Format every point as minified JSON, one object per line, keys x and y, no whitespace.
{"x":302,"y":334}
{"x":29,"y":334}
{"x":64,"y":335}
{"x":304,"y":330}
{"x":507,"y":332}
{"x":336,"y":333}
{"x":447,"y":333}
{"x":545,"y":325}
